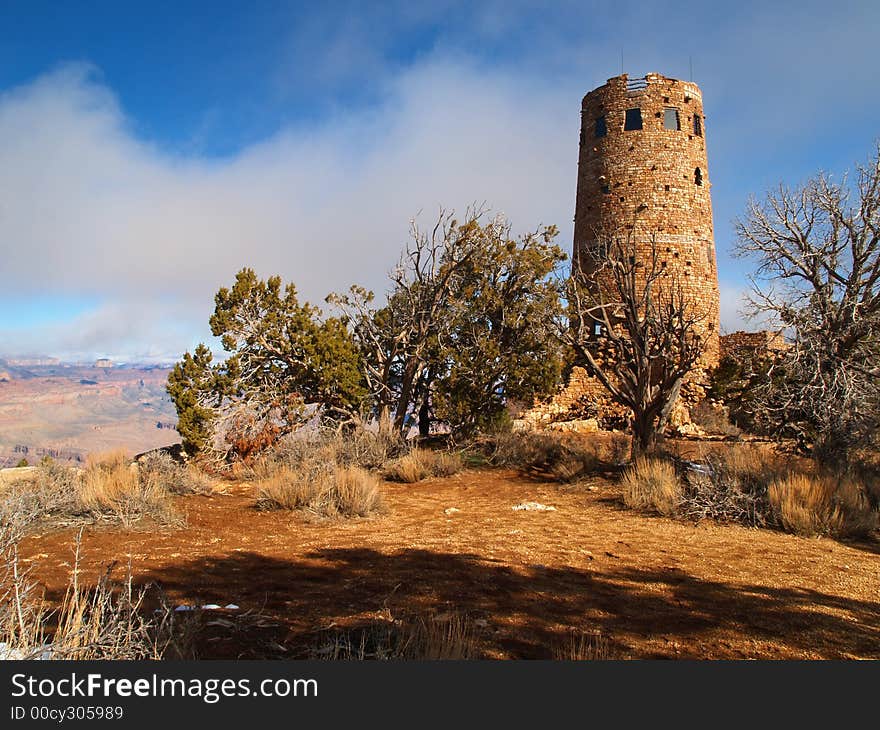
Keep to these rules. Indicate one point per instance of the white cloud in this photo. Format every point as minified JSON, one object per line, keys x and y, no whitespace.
{"x":87,"y":208}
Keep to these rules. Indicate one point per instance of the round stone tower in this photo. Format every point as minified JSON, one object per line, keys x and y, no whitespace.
{"x":643,"y":172}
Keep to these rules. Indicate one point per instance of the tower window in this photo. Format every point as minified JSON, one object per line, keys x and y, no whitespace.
{"x":601,"y":127}
{"x":698,"y":176}
{"x":633,"y":119}
{"x":670,"y":118}
{"x":606,"y":189}
{"x":698,"y":125}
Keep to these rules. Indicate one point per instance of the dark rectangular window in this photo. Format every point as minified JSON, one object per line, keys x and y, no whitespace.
{"x":670,"y":118}
{"x":601,"y":128}
{"x":633,"y":119}
{"x":698,"y":125}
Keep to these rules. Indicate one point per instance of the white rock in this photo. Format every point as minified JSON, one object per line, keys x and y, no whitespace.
{"x":534,"y":507}
{"x":451,"y":510}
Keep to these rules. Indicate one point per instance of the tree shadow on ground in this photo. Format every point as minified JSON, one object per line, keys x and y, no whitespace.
{"x":527,"y":612}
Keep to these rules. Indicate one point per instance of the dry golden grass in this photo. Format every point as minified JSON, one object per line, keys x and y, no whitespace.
{"x":108,"y":481}
{"x":651,"y":484}
{"x":812,"y":505}
{"x":420,"y":464}
{"x":330,"y":492}
{"x":286,"y":489}
{"x":445,"y":637}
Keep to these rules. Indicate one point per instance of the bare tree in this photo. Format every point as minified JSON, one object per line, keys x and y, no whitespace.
{"x":396,"y":340}
{"x":818,"y":253}
{"x":634,"y":329}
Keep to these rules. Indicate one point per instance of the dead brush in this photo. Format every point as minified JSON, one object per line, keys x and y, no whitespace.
{"x":815,"y":505}
{"x":652,"y":485}
{"x":367,"y":449}
{"x":730,"y":485}
{"x":420,"y":464}
{"x":51,"y":496}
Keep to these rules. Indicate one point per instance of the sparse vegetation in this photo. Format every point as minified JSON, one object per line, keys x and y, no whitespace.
{"x":714,"y":418}
{"x":427,"y":637}
{"x":730,"y":485}
{"x":581,"y":646}
{"x":110,"y":488}
{"x":173,"y":477}
{"x":560,"y":457}
{"x":105,"y":621}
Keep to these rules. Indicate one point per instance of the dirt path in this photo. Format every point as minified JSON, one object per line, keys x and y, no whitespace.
{"x":655,"y":587}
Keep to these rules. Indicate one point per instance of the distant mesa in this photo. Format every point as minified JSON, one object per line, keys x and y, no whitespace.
{"x":103,"y":362}
{"x":32,"y":362}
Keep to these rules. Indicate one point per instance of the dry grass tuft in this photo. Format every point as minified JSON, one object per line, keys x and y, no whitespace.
{"x":429,"y":637}
{"x":582,"y":646}
{"x":174,"y":477}
{"x":651,"y":484}
{"x":813,"y":505}
{"x":420,"y":464}
{"x":329,"y":492}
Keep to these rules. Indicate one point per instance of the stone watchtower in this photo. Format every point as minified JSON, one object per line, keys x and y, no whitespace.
{"x":643,"y":169}
{"x":642,"y":172}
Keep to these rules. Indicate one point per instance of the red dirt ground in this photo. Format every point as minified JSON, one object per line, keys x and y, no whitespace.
{"x":655,"y":587}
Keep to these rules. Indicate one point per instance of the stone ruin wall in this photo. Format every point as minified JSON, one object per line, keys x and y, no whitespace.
{"x":651,"y":184}
{"x":764,"y":343}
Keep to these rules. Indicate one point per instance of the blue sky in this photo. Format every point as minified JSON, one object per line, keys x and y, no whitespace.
{"x":149,"y":151}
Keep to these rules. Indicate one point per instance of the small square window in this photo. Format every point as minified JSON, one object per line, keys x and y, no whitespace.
{"x":597,"y":329}
{"x":601,"y":127}
{"x":670,"y":119}
{"x":633,"y":120}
